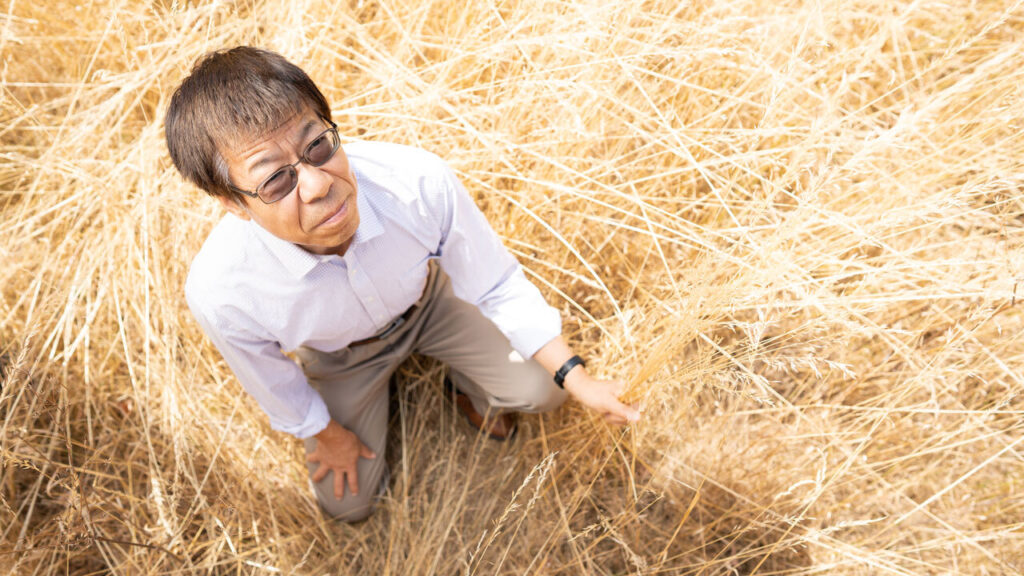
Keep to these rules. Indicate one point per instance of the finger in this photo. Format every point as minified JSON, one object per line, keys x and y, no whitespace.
{"x":353,"y":480}
{"x":615,"y":419}
{"x":312,"y":457}
{"x":321,"y":471}
{"x":626,"y":412}
{"x":339,"y":484}
{"x":620,"y":413}
{"x":365,"y":452}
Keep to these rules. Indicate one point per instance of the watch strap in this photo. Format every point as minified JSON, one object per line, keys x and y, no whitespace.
{"x":564,"y":370}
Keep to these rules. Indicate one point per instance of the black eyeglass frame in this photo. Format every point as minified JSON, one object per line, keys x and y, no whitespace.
{"x":333,"y":130}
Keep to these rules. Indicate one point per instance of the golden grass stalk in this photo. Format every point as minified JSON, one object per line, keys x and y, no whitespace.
{"x":795,"y":229}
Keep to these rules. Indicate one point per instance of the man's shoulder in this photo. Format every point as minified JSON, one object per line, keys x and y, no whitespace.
{"x":390,"y":161}
{"x":390,"y":154}
{"x":224,"y":252}
{"x":404,"y":175}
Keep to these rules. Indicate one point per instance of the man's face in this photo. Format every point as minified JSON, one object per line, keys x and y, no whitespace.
{"x":320,"y":214}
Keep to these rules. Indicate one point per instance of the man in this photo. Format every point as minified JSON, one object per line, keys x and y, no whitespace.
{"x":352,"y":259}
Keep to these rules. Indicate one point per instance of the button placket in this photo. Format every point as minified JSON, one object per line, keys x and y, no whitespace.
{"x":366,"y":292}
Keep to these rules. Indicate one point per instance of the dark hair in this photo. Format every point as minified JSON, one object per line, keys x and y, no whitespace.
{"x":230,"y":96}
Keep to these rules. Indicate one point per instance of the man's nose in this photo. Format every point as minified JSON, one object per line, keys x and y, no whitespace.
{"x":313,"y":184}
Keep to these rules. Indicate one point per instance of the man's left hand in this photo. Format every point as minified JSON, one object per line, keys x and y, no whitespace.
{"x":601,"y":396}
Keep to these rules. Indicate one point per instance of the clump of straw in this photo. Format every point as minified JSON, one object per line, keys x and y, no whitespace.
{"x":795,"y":229}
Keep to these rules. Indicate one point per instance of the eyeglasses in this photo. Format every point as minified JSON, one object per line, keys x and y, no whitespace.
{"x":284,"y":179}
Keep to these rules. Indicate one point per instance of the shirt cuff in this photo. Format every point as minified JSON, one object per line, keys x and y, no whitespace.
{"x":316,"y":420}
{"x":529,"y":338}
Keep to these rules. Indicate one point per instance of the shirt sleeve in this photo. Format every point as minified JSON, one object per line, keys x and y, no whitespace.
{"x":274,"y":381}
{"x":484,"y":273}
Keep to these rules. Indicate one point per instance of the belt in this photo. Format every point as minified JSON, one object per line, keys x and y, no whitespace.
{"x":395,"y":324}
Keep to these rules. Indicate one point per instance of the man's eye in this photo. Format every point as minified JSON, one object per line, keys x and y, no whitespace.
{"x":318,"y":143}
{"x":319,"y":151}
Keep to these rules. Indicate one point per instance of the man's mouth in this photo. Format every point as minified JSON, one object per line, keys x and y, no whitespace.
{"x":336,"y":216}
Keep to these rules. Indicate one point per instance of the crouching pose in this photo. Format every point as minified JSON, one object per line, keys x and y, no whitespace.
{"x":352,"y":258}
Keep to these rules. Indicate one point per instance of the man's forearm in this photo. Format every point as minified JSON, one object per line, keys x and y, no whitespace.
{"x":598,"y":395}
{"x":553,"y":355}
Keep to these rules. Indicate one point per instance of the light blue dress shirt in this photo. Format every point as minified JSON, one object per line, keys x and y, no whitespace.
{"x":256,"y":295}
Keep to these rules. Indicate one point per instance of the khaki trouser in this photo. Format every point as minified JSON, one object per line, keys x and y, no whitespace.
{"x":353,"y":381}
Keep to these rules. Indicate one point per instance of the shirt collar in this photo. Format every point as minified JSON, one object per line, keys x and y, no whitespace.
{"x":298,"y":261}
{"x":370,"y":225}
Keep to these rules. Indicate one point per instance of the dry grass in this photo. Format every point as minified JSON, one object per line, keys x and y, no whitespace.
{"x":796,"y":228}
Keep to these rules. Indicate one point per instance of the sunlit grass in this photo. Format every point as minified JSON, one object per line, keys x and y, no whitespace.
{"x":796,"y":230}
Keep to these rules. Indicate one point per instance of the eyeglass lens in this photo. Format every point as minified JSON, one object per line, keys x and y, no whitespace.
{"x":282,"y":182}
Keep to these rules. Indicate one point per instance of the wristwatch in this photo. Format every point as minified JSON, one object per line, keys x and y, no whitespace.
{"x":564,"y":370}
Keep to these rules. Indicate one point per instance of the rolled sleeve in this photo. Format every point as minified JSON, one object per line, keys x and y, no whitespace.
{"x":521,"y":313}
{"x":484,"y":273}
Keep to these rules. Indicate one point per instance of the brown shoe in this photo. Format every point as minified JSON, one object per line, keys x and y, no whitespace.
{"x":501,"y":428}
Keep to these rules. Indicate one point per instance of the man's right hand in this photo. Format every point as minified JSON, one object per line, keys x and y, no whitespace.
{"x":338,"y":450}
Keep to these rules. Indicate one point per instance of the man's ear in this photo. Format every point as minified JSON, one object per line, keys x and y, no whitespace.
{"x":234,"y":206}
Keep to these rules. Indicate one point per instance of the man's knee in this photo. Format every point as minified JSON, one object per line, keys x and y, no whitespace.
{"x":351,"y":507}
{"x":373,"y":480}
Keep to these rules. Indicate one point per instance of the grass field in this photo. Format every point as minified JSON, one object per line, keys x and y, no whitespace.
{"x":795,"y":228}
